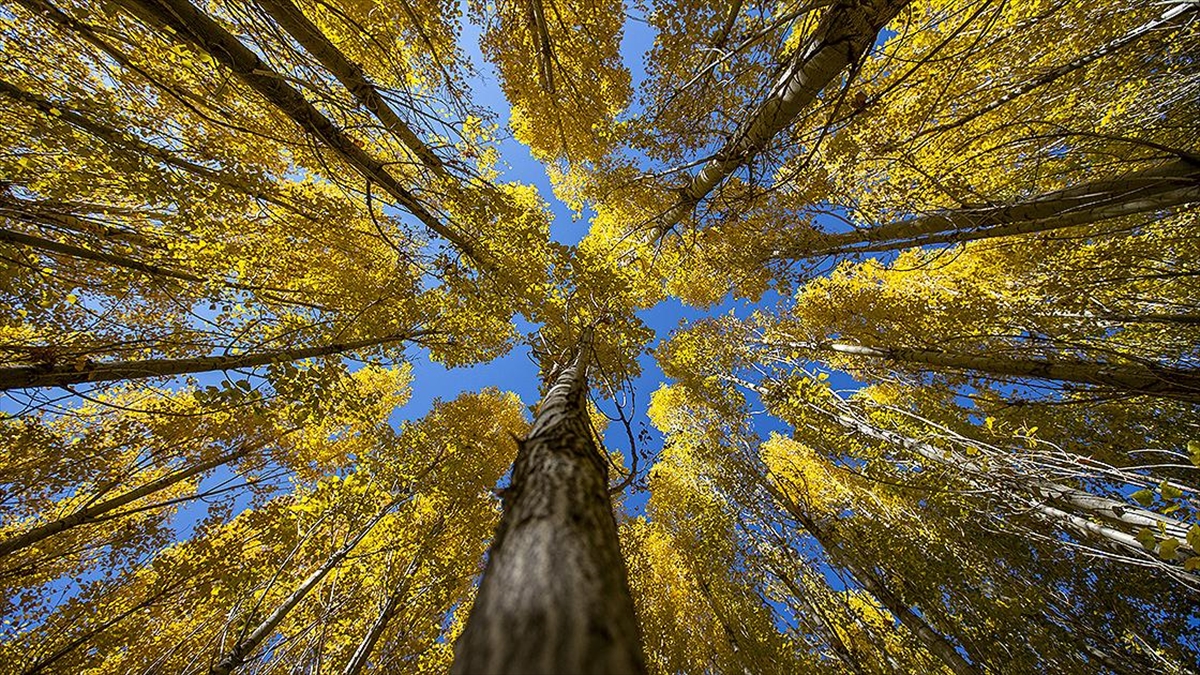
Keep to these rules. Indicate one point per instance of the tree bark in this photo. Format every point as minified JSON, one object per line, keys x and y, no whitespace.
{"x":1171,"y":185}
{"x":845,"y":33}
{"x":103,"y":509}
{"x":54,"y":375}
{"x":554,"y":597}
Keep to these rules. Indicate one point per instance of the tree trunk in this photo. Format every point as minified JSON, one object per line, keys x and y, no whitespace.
{"x":826,"y":627}
{"x":392,"y":605}
{"x":351,"y":75}
{"x":201,"y":30}
{"x":54,"y":375}
{"x":554,"y":597}
{"x":933,"y":641}
{"x":245,"y":647}
{"x":845,"y":33}
{"x":1041,"y":491}
{"x":1148,"y":380}
{"x":102,"y":510}
{"x":1174,"y":184}
{"x":51,"y":246}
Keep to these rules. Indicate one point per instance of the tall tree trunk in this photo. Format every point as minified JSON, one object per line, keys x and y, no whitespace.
{"x":933,"y":641}
{"x":1171,"y":185}
{"x":103,"y":510}
{"x":845,"y":33}
{"x":1142,"y":379}
{"x":198,"y":28}
{"x":351,"y":75}
{"x":554,"y":597}
{"x":55,"y":375}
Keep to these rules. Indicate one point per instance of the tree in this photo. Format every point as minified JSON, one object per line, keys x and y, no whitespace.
{"x":949,"y":424}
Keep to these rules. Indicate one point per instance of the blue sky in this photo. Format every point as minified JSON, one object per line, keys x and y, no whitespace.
{"x":516,"y":371}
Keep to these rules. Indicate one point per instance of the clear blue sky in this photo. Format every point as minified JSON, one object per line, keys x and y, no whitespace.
{"x":516,"y":371}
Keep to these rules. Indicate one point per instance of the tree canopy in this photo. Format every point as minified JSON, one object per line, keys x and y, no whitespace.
{"x":932,"y":403}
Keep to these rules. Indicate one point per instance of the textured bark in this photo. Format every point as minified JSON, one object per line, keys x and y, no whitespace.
{"x":103,"y":510}
{"x":55,"y":375}
{"x":845,"y":33}
{"x":201,"y":30}
{"x":554,"y":597}
{"x":1174,"y":184}
{"x":351,"y":75}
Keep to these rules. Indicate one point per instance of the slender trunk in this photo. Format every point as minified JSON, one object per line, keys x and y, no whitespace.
{"x":95,"y":511}
{"x":351,"y":75}
{"x":554,"y":597}
{"x":1175,"y":16}
{"x":1174,"y":184}
{"x":825,"y":626}
{"x":1042,"y":491}
{"x":981,"y":477}
{"x":54,"y":375}
{"x":845,"y":33}
{"x":236,"y":656}
{"x":118,"y":138}
{"x":124,"y":262}
{"x":94,"y":629}
{"x":1140,"y":379}
{"x":201,"y":30}
{"x":933,"y":641}
{"x":58,"y":215}
{"x":80,"y":253}
{"x":545,"y":48}
{"x":392,"y":605}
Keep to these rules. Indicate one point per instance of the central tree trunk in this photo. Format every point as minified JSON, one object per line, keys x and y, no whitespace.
{"x":554,"y":597}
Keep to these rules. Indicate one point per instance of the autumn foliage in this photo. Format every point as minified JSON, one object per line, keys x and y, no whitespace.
{"x":940,"y":411}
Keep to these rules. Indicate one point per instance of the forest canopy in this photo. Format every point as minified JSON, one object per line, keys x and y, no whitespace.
{"x":877,"y":349}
